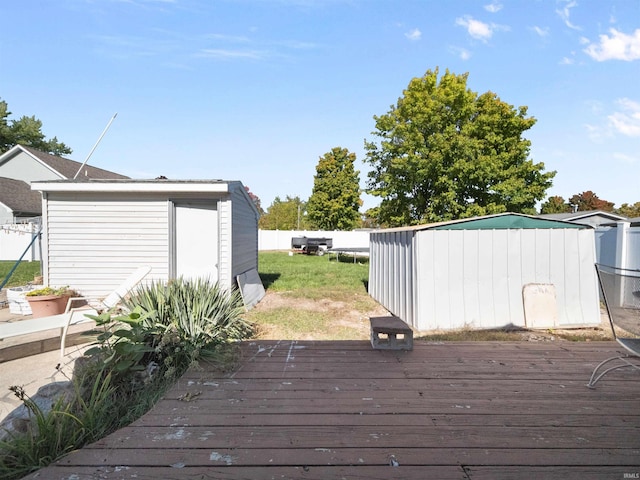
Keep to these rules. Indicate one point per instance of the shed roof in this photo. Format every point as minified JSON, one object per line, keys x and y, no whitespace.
{"x":500,"y":221}
{"x":582,"y":214}
{"x":136,"y":186}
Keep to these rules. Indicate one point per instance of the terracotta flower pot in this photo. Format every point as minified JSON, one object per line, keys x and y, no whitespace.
{"x":46,"y":305}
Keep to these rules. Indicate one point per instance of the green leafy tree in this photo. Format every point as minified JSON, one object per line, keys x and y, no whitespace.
{"x":446,"y":152}
{"x":588,"y":200}
{"x":26,"y":131}
{"x":335,"y":199}
{"x":288,"y":214}
{"x":627,"y":210}
{"x":555,"y":204}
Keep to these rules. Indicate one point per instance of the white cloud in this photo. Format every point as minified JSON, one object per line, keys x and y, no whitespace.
{"x":618,"y":46}
{"x":493,"y":7}
{"x":623,"y":157}
{"x":541,"y":32}
{"x":565,"y":13}
{"x":627,"y":121}
{"x":221,"y":53}
{"x":414,"y":34}
{"x":462,"y":53}
{"x":475,"y":28}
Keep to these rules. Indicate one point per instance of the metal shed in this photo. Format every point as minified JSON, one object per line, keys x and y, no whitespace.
{"x":96,"y":232}
{"x":487,"y":272}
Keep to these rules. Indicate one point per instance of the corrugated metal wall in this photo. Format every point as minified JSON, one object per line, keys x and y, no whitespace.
{"x":392,"y":272}
{"x":95,"y":242}
{"x":475,"y":278}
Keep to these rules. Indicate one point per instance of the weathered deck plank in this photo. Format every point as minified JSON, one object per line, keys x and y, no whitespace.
{"x":322,"y":410}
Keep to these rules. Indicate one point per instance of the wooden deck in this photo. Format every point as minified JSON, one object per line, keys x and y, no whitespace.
{"x":329,"y":410}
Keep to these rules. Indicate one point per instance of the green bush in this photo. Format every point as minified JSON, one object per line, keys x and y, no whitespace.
{"x":194,"y":314}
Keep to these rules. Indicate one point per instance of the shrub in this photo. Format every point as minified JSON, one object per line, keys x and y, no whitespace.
{"x":194,"y":314}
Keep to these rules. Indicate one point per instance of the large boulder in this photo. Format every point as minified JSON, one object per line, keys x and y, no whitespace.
{"x":20,"y":420}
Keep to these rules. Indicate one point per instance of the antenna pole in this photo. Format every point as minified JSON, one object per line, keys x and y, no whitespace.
{"x":95,"y":146}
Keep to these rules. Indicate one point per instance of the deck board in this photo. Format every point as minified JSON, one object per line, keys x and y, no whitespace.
{"x":323,"y":410}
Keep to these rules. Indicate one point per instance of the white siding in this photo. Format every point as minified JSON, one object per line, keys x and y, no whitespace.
{"x":24,"y":167}
{"x":93,"y":243}
{"x":475,"y":278}
{"x":225,"y":243}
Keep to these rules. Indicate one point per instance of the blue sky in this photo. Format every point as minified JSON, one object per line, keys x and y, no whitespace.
{"x":258,"y":90}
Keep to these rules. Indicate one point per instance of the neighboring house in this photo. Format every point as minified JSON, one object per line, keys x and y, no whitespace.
{"x":97,"y":232}
{"x":618,"y":244}
{"x":17,"y":201}
{"x":590,"y":217}
{"x":487,"y":272}
{"x":26,"y":165}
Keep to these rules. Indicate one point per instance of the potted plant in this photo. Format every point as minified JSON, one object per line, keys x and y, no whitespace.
{"x":49,"y":301}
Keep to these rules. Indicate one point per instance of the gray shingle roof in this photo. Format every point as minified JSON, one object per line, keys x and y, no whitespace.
{"x":68,"y":168}
{"x":18,"y":196}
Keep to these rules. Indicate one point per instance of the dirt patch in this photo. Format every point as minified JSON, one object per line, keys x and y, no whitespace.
{"x":345,"y":314}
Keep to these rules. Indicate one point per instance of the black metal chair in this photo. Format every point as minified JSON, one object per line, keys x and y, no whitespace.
{"x":621,"y":292}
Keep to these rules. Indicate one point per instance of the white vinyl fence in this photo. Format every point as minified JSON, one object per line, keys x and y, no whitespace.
{"x":15,"y":239}
{"x":281,"y":239}
{"x":618,"y":246}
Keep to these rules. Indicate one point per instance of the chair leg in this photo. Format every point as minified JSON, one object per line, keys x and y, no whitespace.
{"x":63,"y":335}
{"x":595,"y":376}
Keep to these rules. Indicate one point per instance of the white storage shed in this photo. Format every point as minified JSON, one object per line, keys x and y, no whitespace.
{"x":96,"y":232}
{"x":487,"y":272}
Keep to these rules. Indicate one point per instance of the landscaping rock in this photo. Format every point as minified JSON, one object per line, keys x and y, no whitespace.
{"x":21,"y":419}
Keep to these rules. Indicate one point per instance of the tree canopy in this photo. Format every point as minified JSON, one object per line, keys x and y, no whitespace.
{"x":585,"y":201}
{"x":335,"y":199}
{"x":445,"y":152}
{"x":631,"y":211}
{"x":556,"y":204}
{"x":26,"y":131}
{"x":288,"y":214}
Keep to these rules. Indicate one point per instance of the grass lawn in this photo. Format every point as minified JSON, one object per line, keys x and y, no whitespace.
{"x":312,"y":297}
{"x":23,"y":274}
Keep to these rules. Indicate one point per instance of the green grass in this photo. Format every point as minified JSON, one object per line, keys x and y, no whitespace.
{"x":312,"y":276}
{"x":325,"y":297}
{"x":22,"y":275}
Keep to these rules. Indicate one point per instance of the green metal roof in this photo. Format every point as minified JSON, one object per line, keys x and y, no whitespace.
{"x":505,"y":221}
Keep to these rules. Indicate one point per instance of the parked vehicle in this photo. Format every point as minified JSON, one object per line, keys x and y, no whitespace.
{"x":311,"y":245}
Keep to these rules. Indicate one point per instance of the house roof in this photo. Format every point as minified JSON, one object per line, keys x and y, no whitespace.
{"x":579,"y":215}
{"x":68,"y":168}
{"x":18,"y":196}
{"x":499,"y":221}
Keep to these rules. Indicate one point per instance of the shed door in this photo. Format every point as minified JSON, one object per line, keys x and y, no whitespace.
{"x":196,"y":240}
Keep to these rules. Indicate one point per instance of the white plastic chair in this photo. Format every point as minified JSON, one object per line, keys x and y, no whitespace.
{"x":621,"y":291}
{"x":73,"y":316}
